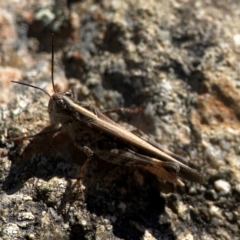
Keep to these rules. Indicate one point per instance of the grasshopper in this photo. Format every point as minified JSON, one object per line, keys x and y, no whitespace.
{"x":94,"y":133}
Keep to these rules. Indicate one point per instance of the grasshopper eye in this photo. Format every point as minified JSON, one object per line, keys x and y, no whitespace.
{"x":61,"y":103}
{"x":68,"y":94}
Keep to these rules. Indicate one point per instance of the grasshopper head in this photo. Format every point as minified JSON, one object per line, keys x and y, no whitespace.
{"x":59,"y":109}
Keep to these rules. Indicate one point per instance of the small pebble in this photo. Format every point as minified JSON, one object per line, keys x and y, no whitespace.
{"x":216,"y":212}
{"x":236,"y":39}
{"x":222,"y":186}
{"x":148,"y":236}
{"x":238,"y":187}
{"x":122,"y":206}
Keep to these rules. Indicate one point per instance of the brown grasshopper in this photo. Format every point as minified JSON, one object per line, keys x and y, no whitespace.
{"x":95,"y":133}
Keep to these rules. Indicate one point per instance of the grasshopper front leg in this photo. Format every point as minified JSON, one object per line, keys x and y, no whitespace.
{"x":89,"y":154}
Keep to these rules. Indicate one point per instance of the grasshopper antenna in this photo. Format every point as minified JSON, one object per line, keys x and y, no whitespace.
{"x":54,"y":89}
{"x":29,"y":85}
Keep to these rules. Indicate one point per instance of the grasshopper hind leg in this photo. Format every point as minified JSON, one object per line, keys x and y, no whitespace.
{"x":128,"y":158}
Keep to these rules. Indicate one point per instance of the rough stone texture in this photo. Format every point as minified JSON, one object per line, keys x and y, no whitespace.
{"x":181,"y":58}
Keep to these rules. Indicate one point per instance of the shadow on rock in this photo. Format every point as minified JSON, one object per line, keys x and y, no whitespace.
{"x":116,"y":202}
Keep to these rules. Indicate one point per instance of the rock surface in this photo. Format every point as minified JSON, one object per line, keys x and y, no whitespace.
{"x":181,"y":58}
